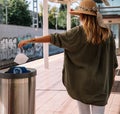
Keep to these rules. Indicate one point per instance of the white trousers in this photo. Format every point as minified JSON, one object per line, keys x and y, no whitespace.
{"x":90,"y":109}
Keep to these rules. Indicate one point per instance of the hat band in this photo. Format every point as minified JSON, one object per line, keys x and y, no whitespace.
{"x":93,"y":9}
{"x":99,"y":16}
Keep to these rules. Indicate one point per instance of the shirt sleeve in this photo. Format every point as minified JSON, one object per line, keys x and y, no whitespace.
{"x":65,"y":39}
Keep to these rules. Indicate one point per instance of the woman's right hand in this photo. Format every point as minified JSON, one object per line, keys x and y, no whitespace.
{"x":22,"y":43}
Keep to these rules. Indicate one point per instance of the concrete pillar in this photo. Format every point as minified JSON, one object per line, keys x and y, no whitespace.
{"x":45,"y":32}
{"x":68,"y":16}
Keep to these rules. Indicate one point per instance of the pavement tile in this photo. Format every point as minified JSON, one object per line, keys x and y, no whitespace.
{"x":51,"y":95}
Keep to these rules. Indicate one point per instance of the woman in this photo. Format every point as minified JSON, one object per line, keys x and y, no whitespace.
{"x":89,"y":59}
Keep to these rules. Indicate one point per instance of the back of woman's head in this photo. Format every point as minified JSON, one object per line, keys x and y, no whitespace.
{"x":92,"y":21}
{"x":95,"y":33}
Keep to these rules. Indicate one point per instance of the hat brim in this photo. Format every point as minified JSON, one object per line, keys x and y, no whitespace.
{"x":78,"y":12}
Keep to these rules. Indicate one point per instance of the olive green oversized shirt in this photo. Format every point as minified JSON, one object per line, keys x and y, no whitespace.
{"x":88,"y":69}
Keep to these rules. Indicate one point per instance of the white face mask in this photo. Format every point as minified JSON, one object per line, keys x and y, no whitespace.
{"x":21,"y":58}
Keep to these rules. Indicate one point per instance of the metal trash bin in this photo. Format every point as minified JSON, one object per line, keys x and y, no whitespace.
{"x":17,"y":92}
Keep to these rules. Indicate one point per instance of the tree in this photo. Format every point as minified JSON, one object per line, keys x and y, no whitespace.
{"x":74,"y":21}
{"x":57,"y":17}
{"x":63,"y":7}
{"x":18,"y":13}
{"x":62,"y":19}
{"x":62,"y":16}
{"x":40,"y":16}
{"x":52,"y":17}
{"x":1,"y":14}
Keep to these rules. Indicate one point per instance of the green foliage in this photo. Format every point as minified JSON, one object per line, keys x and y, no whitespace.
{"x":18,"y":13}
{"x":74,"y":21}
{"x":57,"y":17}
{"x":52,"y":21}
{"x":40,"y":16}
{"x":62,"y":19}
{"x":63,"y":7}
{"x":52,"y":17}
{"x":1,"y":14}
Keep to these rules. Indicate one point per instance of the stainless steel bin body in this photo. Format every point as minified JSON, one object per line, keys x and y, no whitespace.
{"x":17,"y":93}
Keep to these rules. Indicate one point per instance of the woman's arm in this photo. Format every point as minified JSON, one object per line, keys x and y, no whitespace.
{"x":43,"y":39}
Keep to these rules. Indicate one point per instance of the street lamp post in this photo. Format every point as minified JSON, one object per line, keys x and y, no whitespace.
{"x":56,"y":15}
{"x":6,"y":10}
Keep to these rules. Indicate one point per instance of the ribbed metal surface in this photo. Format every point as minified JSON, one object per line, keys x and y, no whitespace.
{"x":18,"y":76}
{"x":17,"y":96}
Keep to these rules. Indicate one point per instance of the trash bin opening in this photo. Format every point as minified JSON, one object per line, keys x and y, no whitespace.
{"x":14,"y":73}
{"x":17,"y":70}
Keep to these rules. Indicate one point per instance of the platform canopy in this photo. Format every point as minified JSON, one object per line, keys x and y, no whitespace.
{"x":45,"y":24}
{"x":63,"y":1}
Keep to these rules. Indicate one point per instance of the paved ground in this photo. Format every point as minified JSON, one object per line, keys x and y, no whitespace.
{"x":51,"y":96}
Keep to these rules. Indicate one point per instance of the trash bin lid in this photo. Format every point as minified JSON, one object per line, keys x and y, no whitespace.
{"x":5,"y":75}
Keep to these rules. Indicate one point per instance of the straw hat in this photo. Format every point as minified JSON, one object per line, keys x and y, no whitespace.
{"x":88,"y":7}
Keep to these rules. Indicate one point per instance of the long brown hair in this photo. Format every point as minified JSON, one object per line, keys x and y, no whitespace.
{"x":95,"y":33}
